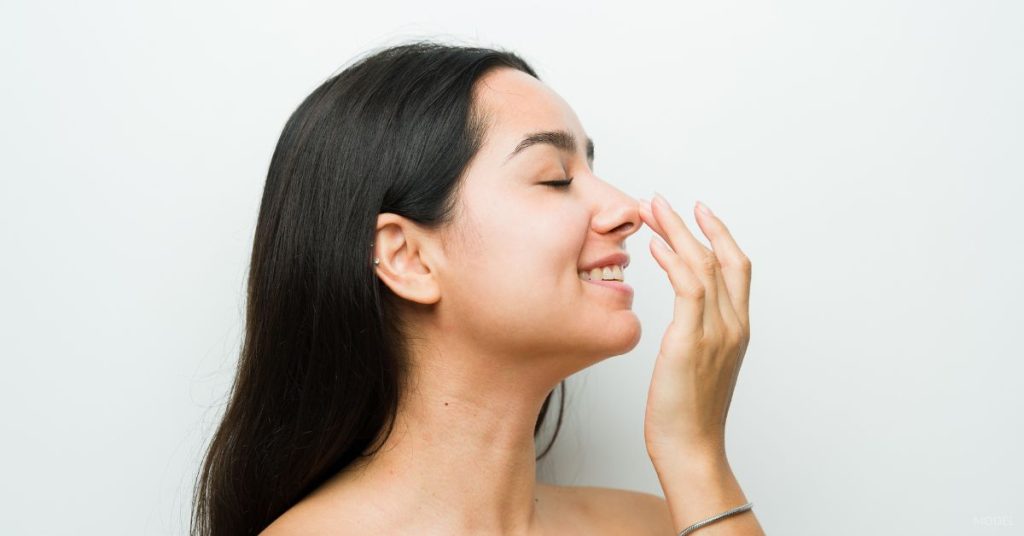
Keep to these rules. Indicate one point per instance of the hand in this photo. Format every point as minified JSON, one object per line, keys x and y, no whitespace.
{"x":702,"y":349}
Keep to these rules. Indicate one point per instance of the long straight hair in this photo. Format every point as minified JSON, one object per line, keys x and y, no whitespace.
{"x":324,"y":359}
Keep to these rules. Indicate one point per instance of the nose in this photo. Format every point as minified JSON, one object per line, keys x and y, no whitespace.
{"x":618,"y":214}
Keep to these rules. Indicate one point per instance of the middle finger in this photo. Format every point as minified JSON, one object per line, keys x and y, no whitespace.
{"x":667,"y":223}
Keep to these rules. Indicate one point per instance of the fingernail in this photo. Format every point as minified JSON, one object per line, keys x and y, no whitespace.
{"x":661,"y":198}
{"x":703,"y":208}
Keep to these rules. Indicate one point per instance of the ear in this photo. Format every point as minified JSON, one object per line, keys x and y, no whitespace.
{"x":405,"y":264}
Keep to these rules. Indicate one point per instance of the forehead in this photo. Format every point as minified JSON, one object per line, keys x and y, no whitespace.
{"x":519,"y":104}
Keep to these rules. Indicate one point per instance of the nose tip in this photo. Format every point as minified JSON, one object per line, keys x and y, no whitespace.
{"x":633,"y":222}
{"x":618,"y":213}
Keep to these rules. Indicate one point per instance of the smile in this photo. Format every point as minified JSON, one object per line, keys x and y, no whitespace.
{"x":605,"y":273}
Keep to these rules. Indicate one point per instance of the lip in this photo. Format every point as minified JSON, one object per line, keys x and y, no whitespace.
{"x":615,"y":258}
{"x":614,"y":285}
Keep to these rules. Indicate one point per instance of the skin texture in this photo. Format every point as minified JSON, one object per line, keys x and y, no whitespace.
{"x":498,"y":316}
{"x":696,"y":369}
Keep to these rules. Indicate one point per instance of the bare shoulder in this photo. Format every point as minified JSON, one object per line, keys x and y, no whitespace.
{"x":306,"y":521}
{"x":617,"y":511}
{"x":596,"y":510}
{"x":310,"y":517}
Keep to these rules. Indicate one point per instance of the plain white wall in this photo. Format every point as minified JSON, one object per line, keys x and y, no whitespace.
{"x":866,"y":154}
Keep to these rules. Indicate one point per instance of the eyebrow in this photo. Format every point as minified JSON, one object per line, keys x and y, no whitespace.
{"x":561,"y":139}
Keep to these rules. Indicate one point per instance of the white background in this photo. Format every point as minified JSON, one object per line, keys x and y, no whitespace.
{"x":867,"y":155}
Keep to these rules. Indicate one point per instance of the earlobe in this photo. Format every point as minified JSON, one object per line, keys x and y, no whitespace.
{"x":399,"y":260}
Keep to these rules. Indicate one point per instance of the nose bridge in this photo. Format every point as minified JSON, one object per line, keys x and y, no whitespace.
{"x":615,"y":211}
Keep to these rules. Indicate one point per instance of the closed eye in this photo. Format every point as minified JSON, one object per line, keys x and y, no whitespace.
{"x":559,"y":184}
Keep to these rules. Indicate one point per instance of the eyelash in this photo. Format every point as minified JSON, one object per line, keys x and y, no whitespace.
{"x":559,"y":184}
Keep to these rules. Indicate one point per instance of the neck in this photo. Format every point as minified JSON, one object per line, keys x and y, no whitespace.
{"x":461,"y":456}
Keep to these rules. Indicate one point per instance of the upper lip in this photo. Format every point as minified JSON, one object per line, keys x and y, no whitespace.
{"x":615,"y":258}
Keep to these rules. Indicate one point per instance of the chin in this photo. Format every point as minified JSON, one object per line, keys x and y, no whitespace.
{"x":633,"y":339}
{"x":623,"y":338}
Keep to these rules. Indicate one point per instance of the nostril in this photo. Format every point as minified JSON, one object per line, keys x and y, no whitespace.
{"x":624,"y":227}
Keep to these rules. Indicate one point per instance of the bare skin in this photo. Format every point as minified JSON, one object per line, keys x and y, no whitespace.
{"x":499,"y":315}
{"x":559,"y":510}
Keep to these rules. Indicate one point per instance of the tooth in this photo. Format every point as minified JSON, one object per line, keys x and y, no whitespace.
{"x":607,"y":273}
{"x":585,"y":275}
{"x":617,"y":271}
{"x":595,"y":274}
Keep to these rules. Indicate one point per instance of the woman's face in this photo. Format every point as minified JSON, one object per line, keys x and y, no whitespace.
{"x":510,"y":279}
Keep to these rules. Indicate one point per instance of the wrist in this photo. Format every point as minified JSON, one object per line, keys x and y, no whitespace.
{"x":692,"y":466}
{"x":706,"y":453}
{"x":697,"y":486}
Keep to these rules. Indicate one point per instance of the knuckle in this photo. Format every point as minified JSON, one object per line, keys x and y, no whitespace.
{"x":709,"y":263}
{"x":744,"y":264}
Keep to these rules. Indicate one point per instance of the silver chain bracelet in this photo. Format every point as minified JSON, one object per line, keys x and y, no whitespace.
{"x":726,"y":513}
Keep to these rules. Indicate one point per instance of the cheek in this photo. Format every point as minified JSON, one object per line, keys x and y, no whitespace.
{"x":517,"y":283}
{"x":531,"y":265}
{"x":539,"y":314}
{"x":504,"y":304}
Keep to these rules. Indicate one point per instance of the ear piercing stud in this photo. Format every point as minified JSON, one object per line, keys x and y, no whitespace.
{"x":376,"y":261}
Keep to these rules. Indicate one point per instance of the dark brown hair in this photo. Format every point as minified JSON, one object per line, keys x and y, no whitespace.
{"x":322,"y":362}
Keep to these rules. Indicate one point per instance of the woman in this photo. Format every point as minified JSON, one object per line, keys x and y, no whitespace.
{"x":424,"y":274}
